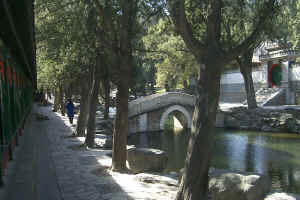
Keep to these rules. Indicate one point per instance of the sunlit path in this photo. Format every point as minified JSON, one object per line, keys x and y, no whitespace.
{"x":51,"y":165}
{"x":32,"y":175}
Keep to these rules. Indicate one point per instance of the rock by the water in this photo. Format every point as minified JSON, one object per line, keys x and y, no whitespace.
{"x":282,"y":196}
{"x":225,"y":185}
{"x":146,"y":159}
{"x":261,"y":119}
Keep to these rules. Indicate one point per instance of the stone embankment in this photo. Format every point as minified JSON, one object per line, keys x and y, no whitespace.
{"x":237,"y":185}
{"x":272,"y":119}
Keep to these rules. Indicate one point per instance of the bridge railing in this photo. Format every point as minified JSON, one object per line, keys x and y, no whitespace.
{"x":156,"y":101}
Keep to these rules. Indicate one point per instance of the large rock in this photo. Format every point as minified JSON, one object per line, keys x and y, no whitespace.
{"x":228,"y":185}
{"x":146,"y":159}
{"x":282,"y":196}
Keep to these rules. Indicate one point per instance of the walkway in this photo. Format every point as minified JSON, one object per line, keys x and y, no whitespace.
{"x":33,"y":164}
{"x":49,"y":165}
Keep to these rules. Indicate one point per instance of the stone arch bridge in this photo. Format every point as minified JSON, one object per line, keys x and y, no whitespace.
{"x":150,"y":113}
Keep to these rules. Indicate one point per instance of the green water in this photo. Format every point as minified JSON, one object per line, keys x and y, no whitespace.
{"x":276,"y":155}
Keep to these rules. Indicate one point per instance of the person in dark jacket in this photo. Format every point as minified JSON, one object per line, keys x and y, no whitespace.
{"x":70,"y":110}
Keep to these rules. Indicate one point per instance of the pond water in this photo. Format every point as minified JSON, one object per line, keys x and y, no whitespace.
{"x":277,"y":155}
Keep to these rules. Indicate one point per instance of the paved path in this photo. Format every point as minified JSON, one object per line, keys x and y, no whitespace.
{"x":49,"y":165}
{"x":32,"y":166}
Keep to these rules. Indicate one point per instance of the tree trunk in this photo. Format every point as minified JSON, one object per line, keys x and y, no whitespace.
{"x":121,"y":129}
{"x":84,"y":110}
{"x":245,"y":63}
{"x":61,"y":100}
{"x":194,"y":182}
{"x":249,"y":87}
{"x":129,"y":10}
{"x":68,"y":92}
{"x":107,"y":97}
{"x":56,"y":100}
{"x":90,"y":135}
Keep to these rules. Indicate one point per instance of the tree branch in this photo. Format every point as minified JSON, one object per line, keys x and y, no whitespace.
{"x":214,"y":23}
{"x":108,"y":29}
{"x":160,"y":52}
{"x":177,"y":10}
{"x":247,"y":43}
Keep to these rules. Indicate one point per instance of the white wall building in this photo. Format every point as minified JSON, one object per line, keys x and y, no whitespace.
{"x":277,"y":69}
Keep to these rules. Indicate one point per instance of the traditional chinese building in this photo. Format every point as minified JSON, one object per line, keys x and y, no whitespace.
{"x":276,"y":75}
{"x":17,"y":73}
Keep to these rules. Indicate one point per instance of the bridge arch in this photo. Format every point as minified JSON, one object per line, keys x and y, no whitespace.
{"x":172,"y":109}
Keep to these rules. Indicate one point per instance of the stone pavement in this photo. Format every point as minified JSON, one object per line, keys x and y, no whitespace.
{"x":50,"y":164}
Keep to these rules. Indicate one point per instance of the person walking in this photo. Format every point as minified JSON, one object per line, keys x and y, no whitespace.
{"x":70,"y":110}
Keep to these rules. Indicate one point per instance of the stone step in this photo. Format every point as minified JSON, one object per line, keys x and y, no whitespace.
{"x":263,"y":95}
